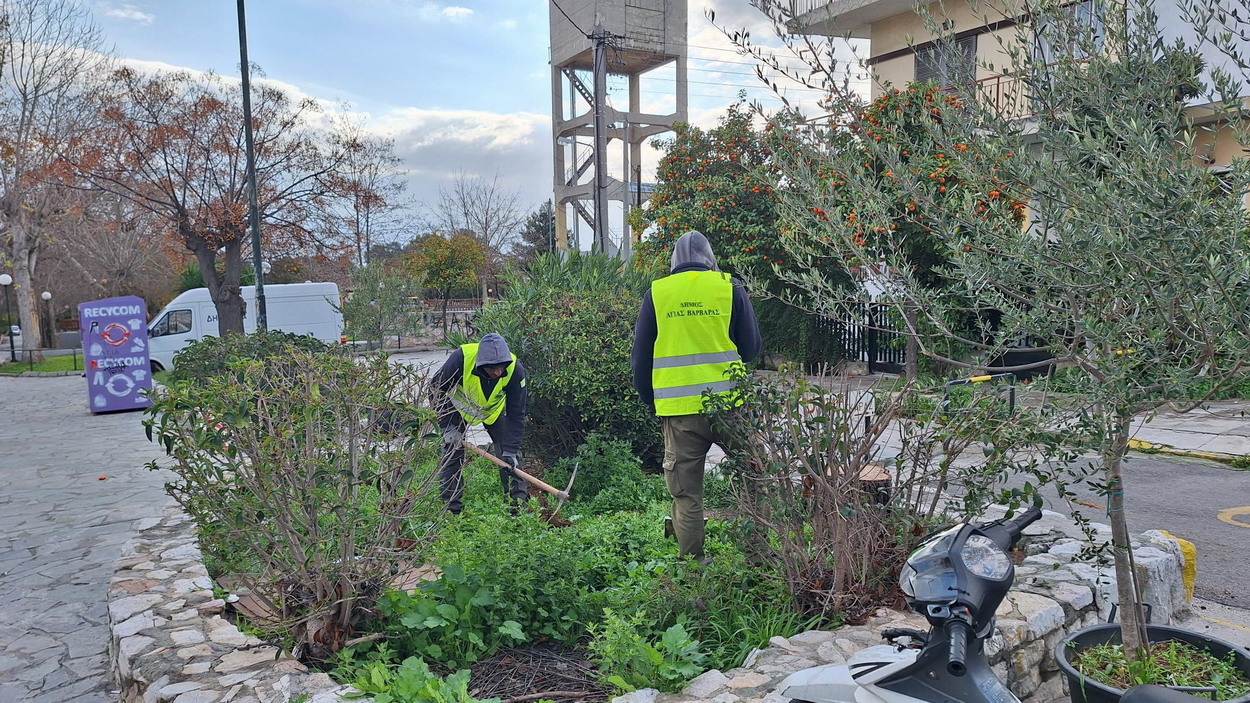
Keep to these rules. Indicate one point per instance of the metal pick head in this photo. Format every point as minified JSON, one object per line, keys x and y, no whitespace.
{"x":565,"y":496}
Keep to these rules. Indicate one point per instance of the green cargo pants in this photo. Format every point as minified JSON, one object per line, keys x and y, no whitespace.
{"x":687,"y":439}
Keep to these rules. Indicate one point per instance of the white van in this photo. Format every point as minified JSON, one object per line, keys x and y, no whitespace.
{"x":297,"y":308}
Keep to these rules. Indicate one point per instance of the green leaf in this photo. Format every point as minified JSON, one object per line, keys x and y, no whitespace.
{"x":512,"y":628}
{"x":620,"y":683}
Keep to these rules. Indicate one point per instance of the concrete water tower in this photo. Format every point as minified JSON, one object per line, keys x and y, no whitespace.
{"x":590,"y":40}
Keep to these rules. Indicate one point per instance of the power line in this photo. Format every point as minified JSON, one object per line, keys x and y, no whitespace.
{"x":719,"y":97}
{"x":747,"y":73}
{"x":570,"y":19}
{"x":619,"y":85}
{"x":738,"y":85}
{"x":734,"y":51}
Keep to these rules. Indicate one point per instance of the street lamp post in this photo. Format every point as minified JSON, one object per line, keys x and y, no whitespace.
{"x":5,"y":281}
{"x":377,"y":310}
{"x":253,"y":211}
{"x":50,"y":329}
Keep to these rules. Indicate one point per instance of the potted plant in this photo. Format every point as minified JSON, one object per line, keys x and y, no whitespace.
{"x":1092,"y":225}
{"x":1223,"y":673}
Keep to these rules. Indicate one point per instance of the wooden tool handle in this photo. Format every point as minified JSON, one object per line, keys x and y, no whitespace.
{"x":543,"y":485}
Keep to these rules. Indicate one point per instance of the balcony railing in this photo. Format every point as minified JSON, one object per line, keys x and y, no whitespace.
{"x":1004,"y":95}
{"x":798,"y":8}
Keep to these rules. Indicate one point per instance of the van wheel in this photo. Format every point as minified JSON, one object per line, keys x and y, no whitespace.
{"x":156,"y":367}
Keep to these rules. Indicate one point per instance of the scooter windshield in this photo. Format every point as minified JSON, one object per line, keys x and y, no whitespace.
{"x":929,"y":576}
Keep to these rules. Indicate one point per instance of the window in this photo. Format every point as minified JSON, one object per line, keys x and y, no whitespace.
{"x":1073,"y":32}
{"x":948,"y":64}
{"x":172,"y":322}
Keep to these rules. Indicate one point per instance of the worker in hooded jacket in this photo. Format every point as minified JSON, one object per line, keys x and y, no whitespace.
{"x":695,"y":325}
{"x":482,"y":383}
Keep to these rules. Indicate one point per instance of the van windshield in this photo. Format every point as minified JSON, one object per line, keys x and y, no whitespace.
{"x":172,"y":322}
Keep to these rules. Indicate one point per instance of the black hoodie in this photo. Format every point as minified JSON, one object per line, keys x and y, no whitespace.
{"x":491,"y":350}
{"x":691,"y":253}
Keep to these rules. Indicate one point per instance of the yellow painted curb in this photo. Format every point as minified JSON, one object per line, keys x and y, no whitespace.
{"x":1143,"y":445}
{"x":1189,"y":570}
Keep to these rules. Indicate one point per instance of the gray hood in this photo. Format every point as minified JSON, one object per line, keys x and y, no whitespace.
{"x":493,"y":350}
{"x":693,"y":248}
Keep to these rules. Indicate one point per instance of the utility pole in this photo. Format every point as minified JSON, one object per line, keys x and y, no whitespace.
{"x":600,"y":38}
{"x":253,"y":214}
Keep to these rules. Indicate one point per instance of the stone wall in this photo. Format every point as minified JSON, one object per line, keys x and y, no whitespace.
{"x":171,"y":643}
{"x":1054,"y":594}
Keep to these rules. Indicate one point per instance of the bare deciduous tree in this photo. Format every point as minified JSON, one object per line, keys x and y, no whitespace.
{"x":175,"y":147}
{"x":485,"y":209}
{"x":50,"y":57}
{"x":112,"y":248}
{"x":371,"y":205}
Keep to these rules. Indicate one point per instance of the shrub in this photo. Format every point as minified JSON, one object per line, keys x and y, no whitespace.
{"x":633,"y":662}
{"x":508,"y":580}
{"x":511,"y":580}
{"x":413,"y":682}
{"x":609,"y":478}
{"x":212,"y":356}
{"x":287,"y":464}
{"x":797,"y":335}
{"x":571,"y":321}
{"x":809,"y":484}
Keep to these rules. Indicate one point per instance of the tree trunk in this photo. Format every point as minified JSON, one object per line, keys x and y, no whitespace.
{"x":911,"y":361}
{"x":224,"y":289}
{"x":446,"y":295}
{"x":1132,"y":621}
{"x":24,"y":296}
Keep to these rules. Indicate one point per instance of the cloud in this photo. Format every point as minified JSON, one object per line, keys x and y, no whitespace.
{"x":452,"y":13}
{"x":126,"y":12}
{"x":508,"y":24}
{"x":435,"y":145}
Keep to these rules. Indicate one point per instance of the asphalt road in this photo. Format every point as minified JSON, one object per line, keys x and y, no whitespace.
{"x":1205,"y":502}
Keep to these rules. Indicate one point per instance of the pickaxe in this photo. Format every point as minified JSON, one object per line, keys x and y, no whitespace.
{"x":563,"y":495}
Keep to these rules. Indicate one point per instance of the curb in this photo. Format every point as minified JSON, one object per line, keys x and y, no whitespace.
{"x":170,"y":638}
{"x":42,"y":374}
{"x":1144,"y":446}
{"x":1189,"y":567}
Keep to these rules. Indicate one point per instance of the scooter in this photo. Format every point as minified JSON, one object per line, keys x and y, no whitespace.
{"x":956,"y":579}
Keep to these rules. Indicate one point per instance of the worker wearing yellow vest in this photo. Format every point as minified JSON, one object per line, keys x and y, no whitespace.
{"x":481,"y":383}
{"x":694,"y":326}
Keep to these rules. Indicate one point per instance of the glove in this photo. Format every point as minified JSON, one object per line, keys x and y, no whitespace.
{"x":512,"y":460}
{"x":452,"y":436}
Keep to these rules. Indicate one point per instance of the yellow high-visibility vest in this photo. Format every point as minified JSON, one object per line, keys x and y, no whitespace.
{"x":470,"y":401}
{"x":693,"y":352}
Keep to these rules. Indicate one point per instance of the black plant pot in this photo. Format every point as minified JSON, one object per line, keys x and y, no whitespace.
{"x":1085,"y":690}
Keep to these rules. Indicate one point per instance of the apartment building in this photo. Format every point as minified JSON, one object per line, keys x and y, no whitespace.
{"x":902,"y":49}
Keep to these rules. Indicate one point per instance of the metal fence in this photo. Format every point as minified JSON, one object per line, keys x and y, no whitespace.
{"x":870,"y":334}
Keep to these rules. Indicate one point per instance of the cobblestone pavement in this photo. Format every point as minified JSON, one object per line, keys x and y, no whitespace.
{"x":61,"y":528}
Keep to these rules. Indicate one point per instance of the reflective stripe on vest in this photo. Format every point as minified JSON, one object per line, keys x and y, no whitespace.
{"x":693,"y":352}
{"x":468,"y":398}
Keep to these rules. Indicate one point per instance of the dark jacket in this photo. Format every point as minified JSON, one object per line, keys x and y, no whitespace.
{"x":492,"y":350}
{"x":692,"y":253}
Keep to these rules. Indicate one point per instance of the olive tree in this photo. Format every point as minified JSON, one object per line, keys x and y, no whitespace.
{"x":1130,"y":265}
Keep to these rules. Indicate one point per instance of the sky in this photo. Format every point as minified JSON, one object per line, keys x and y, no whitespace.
{"x":463,"y":86}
